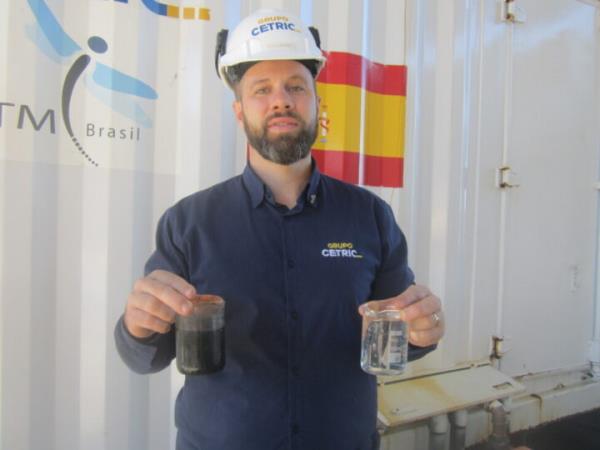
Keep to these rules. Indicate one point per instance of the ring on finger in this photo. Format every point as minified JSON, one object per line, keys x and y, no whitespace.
{"x":436,"y":318}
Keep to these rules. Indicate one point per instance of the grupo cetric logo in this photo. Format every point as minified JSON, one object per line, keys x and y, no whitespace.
{"x":119,"y":91}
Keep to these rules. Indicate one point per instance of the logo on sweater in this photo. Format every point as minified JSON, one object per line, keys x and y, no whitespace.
{"x":340,"y":250}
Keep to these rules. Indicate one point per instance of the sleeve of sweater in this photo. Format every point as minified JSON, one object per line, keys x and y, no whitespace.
{"x":394,"y":275}
{"x":156,"y":352}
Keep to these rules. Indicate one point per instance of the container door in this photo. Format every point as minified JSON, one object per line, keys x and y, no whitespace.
{"x":548,"y":230}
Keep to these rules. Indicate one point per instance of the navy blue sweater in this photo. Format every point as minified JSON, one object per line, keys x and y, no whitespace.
{"x":292,"y":281}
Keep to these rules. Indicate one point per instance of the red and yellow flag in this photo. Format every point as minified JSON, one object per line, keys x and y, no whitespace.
{"x":337,"y":148}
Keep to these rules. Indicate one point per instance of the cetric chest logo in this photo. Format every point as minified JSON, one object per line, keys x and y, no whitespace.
{"x":61,"y":47}
{"x":340,"y":250}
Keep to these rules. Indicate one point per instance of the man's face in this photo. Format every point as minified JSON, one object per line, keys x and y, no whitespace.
{"x":278,"y":108}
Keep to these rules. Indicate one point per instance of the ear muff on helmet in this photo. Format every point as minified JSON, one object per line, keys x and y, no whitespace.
{"x":316,"y":37}
{"x":220,"y":48}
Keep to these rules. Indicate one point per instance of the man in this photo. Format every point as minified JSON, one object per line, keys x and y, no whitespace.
{"x":264,"y":242}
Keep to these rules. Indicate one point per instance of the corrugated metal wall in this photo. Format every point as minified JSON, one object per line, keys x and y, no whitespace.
{"x":74,"y":236}
{"x":78,"y":223}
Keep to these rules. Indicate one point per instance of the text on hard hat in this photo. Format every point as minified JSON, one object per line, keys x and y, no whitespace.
{"x":266,"y":27}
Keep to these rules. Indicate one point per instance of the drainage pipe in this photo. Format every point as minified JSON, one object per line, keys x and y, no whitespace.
{"x":438,"y":432}
{"x":499,"y":438}
{"x":458,"y":431}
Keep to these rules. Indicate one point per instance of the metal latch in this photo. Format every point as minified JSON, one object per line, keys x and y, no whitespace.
{"x":500,"y":346}
{"x":504,"y":178}
{"x":508,"y":11}
{"x":496,"y":347}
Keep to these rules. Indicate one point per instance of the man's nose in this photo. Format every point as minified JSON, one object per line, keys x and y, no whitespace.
{"x":281,"y":100}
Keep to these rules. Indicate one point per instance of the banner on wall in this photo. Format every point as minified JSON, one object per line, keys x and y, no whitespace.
{"x":86,"y":81}
{"x":95,"y":83}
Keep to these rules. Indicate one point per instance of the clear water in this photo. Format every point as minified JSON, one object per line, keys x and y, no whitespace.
{"x":384,"y":347}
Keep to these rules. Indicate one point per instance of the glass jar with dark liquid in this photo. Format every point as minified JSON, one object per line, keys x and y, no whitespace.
{"x":200,"y":337}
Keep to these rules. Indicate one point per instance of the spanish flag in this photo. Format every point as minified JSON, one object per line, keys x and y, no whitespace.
{"x":337,"y":147}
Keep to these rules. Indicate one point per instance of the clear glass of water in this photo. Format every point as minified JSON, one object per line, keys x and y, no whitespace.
{"x":384,"y":345}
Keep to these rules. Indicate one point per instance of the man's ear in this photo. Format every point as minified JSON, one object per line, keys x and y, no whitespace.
{"x":237,"y":110}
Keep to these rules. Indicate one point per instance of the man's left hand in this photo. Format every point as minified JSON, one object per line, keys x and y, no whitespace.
{"x":422,"y":311}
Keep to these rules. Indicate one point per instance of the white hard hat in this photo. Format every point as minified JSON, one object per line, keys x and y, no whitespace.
{"x":267,"y":35}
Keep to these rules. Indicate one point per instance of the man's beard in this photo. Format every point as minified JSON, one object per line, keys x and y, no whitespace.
{"x":284,"y":149}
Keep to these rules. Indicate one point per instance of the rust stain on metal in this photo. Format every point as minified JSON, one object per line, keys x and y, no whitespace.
{"x":433,"y":387}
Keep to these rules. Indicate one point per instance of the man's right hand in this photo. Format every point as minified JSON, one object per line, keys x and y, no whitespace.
{"x":155,"y":301}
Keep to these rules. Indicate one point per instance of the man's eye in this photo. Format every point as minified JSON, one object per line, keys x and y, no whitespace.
{"x":261,"y":91}
{"x":297,"y":88}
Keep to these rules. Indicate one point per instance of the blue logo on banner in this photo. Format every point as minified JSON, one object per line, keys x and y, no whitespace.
{"x":58,"y":45}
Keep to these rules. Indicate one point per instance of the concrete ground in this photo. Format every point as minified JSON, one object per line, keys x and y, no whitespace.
{"x":579,"y":432}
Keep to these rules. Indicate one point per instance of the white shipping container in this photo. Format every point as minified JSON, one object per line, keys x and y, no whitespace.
{"x":499,"y":201}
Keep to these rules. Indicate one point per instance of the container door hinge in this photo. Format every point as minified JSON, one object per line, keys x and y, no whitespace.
{"x":505,"y":178}
{"x":498,"y":348}
{"x":508,"y":11}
